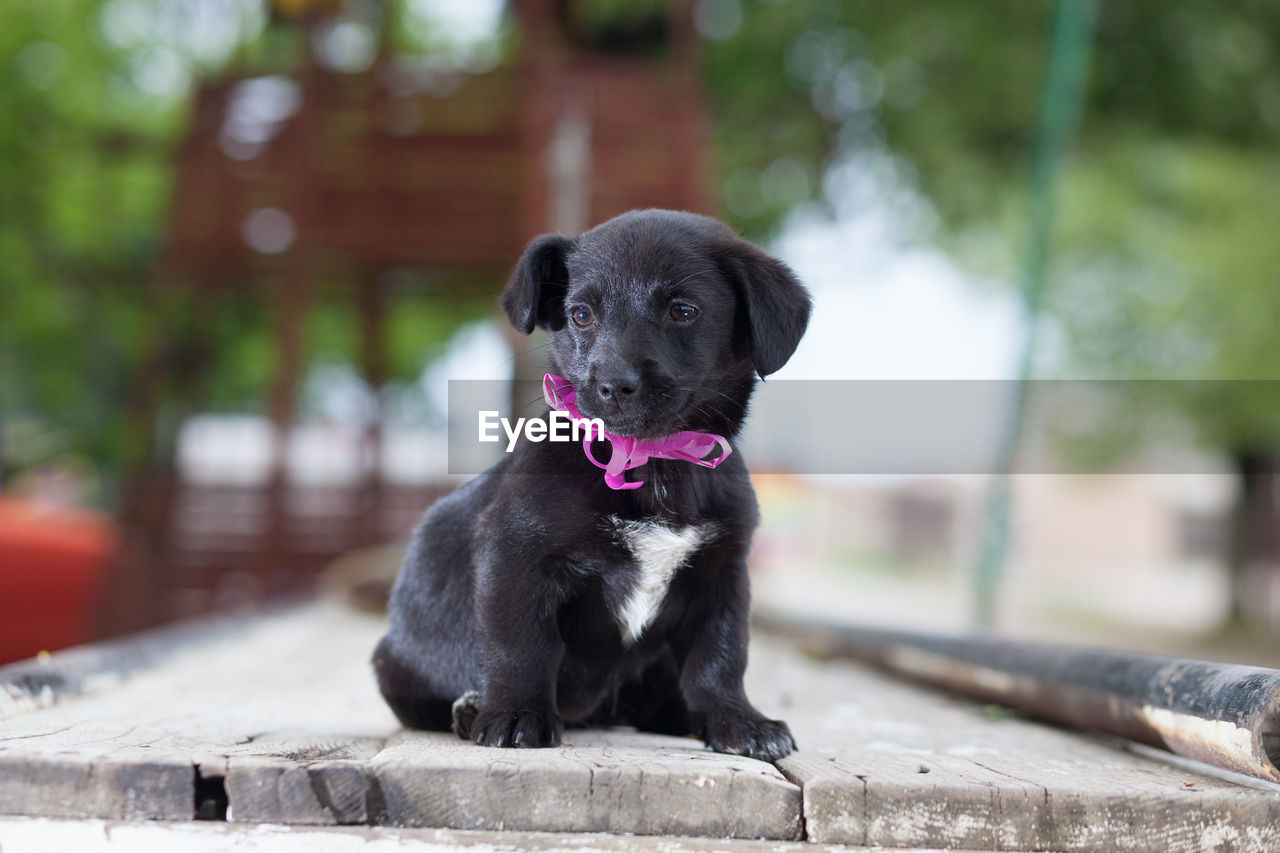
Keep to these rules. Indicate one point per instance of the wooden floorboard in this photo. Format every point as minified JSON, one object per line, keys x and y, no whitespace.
{"x":41,"y":835}
{"x":277,"y":720}
{"x":889,"y":764}
{"x":597,"y":782}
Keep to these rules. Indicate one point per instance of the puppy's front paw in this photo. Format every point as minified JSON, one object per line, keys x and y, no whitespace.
{"x":465,"y":710}
{"x":748,"y":734}
{"x":526,"y":729}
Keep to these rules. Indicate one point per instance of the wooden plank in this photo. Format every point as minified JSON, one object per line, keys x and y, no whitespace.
{"x":1219,"y":713}
{"x":279,"y":791}
{"x":284,"y":717}
{"x":284,"y":779}
{"x":34,"y":684}
{"x":884,"y":763}
{"x":280,"y":712}
{"x":279,"y":720}
{"x":29,"y":835}
{"x":127,"y":788}
{"x":599,"y":782}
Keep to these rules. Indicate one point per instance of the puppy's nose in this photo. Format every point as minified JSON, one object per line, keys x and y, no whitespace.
{"x":618,"y":387}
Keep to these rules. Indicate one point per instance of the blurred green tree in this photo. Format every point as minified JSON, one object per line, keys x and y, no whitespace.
{"x":95,"y":96}
{"x":80,"y":205}
{"x":1166,"y":264}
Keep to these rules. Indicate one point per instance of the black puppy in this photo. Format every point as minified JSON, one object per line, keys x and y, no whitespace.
{"x":536,"y":594}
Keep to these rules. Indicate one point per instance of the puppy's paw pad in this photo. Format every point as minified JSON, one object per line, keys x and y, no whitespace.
{"x":754,"y":737}
{"x":522,"y":729}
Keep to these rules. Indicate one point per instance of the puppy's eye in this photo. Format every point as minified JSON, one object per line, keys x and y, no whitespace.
{"x":582,"y":315}
{"x":683,"y":312}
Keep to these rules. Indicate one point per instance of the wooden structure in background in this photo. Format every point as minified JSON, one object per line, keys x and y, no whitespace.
{"x":318,"y":178}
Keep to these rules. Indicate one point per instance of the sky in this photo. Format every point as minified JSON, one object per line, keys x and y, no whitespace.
{"x":887,"y":303}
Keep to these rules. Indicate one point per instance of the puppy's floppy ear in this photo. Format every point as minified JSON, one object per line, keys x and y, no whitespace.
{"x":534,"y":295}
{"x":775,"y":304}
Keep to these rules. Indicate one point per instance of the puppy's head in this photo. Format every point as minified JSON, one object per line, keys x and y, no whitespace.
{"x":660,"y":319}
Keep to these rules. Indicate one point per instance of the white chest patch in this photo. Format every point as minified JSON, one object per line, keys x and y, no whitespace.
{"x":658,"y":551}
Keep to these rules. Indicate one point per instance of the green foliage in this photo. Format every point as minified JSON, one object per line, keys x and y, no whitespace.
{"x":1169,"y":269}
{"x":94,"y":95}
{"x":764,"y":112}
{"x":80,"y":199}
{"x":1166,"y":265}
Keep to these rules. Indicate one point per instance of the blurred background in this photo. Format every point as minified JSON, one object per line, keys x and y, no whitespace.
{"x":246,"y":244}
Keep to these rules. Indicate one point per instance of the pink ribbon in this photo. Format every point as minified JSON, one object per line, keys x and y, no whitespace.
{"x":630,"y":452}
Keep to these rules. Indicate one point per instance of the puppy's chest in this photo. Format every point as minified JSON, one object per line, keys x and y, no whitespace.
{"x":657,"y":553}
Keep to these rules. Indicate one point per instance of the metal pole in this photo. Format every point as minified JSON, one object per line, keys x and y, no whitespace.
{"x":1059,"y":115}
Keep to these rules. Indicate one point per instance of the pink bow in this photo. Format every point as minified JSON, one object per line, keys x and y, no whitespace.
{"x":628,"y":451}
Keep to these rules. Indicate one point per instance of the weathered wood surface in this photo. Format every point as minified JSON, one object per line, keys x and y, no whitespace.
{"x":285,"y":718}
{"x":1223,"y":714}
{"x":42,"y":835}
{"x":889,"y":764}
{"x":278,"y":720}
{"x":599,"y":782}
{"x":33,"y":684}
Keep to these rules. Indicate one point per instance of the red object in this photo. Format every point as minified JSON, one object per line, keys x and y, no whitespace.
{"x":51,"y":567}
